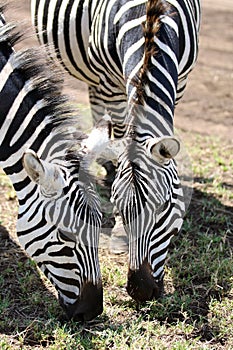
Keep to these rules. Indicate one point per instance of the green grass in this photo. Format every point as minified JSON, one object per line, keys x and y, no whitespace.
{"x":197,"y":309}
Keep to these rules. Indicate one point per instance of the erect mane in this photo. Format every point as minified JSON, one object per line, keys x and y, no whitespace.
{"x":45,"y":79}
{"x":154,"y":10}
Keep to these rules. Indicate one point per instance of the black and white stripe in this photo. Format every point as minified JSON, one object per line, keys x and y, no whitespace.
{"x":59,"y":216}
{"x":137,"y":72}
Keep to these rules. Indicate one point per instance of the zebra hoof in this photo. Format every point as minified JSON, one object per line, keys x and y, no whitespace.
{"x":88,"y":306}
{"x":141,"y":285}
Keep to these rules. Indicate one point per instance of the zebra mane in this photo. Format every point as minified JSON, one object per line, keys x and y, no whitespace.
{"x":46,"y":82}
{"x":154,"y":10}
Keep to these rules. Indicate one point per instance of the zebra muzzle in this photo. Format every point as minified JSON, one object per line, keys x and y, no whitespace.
{"x":141,"y":285}
{"x":89,"y":304}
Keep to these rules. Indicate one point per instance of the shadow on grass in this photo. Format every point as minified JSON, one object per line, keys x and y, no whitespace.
{"x":25,"y":302}
{"x":200,"y":265}
{"x":201,"y":255}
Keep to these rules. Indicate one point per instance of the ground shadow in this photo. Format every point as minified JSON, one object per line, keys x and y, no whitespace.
{"x":200,"y":261}
{"x":24,"y":297}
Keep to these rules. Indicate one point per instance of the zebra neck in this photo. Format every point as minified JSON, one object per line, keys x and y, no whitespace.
{"x":147,"y":123}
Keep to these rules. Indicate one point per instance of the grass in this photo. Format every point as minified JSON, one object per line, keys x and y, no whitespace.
{"x":197,"y":309}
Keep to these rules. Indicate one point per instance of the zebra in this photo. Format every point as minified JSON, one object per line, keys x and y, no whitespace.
{"x":135,"y":56}
{"x":59,"y":215}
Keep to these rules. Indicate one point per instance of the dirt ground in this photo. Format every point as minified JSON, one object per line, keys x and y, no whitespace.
{"x":207,"y":106}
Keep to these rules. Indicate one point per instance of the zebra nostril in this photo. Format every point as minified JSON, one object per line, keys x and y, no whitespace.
{"x":141,"y":285}
{"x":88,"y":306}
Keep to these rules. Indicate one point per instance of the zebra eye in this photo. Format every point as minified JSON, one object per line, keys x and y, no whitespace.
{"x":66,"y":236}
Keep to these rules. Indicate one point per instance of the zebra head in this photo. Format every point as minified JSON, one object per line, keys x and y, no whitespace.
{"x":59,"y":228}
{"x":148,"y":195}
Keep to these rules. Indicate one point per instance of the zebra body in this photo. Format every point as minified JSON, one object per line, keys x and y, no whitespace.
{"x":91,"y":38}
{"x":59,"y":217}
{"x":135,"y":56}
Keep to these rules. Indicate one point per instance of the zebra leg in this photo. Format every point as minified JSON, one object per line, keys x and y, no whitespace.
{"x":98,"y":110}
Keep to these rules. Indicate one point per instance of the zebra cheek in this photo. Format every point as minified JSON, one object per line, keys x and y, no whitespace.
{"x":141,"y":285}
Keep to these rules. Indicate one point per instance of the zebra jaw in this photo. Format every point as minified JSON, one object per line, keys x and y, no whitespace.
{"x":43,"y":173}
{"x":163,"y":148}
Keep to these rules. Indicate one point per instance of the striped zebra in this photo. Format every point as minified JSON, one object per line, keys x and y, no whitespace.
{"x":135,"y":56}
{"x":59,"y":217}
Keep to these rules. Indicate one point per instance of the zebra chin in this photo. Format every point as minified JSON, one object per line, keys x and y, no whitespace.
{"x":141,"y":285}
{"x":88,"y":306}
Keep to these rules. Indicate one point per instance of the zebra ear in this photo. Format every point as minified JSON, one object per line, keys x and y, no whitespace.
{"x":43,"y":173}
{"x":165,"y":148}
{"x":33,"y":166}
